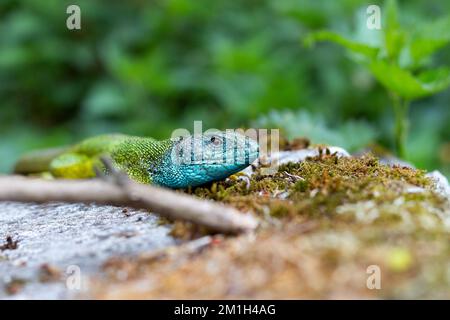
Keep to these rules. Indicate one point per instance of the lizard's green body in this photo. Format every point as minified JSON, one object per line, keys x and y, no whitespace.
{"x":174,"y":163}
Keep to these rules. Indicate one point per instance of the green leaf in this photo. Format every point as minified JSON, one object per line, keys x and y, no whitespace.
{"x":436,"y":30}
{"x":435,"y":80}
{"x":428,"y":39}
{"x":353,"y":46}
{"x":405,"y":84}
{"x":392,"y":15}
{"x":394,"y":36}
{"x":351,"y":135}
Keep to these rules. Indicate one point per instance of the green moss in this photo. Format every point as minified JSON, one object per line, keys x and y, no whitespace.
{"x":319,"y":186}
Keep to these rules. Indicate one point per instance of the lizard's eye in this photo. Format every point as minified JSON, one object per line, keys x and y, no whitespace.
{"x":215,"y":140}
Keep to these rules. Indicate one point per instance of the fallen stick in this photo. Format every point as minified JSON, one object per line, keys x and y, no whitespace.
{"x":173,"y":205}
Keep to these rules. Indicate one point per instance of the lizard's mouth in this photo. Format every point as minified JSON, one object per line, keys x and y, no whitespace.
{"x":221,"y":170}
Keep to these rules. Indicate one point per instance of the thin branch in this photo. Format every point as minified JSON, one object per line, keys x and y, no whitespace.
{"x":124,"y":192}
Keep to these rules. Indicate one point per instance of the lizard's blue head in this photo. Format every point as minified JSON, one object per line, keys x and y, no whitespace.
{"x":198,"y":159}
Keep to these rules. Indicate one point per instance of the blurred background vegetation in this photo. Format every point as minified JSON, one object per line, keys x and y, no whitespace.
{"x":149,"y":67}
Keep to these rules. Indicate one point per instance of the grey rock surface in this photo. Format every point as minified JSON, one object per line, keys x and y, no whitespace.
{"x":68,"y":237}
{"x":441,"y":183}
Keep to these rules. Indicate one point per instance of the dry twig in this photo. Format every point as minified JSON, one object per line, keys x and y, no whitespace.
{"x":124,"y":192}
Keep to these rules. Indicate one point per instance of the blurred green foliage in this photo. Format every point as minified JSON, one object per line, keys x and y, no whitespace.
{"x":399,"y":59}
{"x":148,"y":67}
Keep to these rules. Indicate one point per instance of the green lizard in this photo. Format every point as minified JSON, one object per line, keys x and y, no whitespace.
{"x":175,"y":163}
